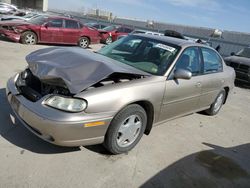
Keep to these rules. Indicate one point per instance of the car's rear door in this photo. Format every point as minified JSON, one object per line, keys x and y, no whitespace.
{"x":51,"y":32}
{"x":71,"y":32}
{"x":213,"y":76}
{"x":182,"y":96}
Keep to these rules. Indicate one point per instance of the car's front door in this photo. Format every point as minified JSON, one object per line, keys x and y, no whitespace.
{"x":51,"y":32}
{"x":182,"y":96}
{"x":71,"y":32}
{"x":213,"y":76}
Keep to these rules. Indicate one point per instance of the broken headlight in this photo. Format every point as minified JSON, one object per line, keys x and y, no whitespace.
{"x":66,"y":103}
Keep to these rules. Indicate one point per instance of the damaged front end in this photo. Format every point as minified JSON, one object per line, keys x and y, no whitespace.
{"x":32,"y":88}
{"x":66,"y":72}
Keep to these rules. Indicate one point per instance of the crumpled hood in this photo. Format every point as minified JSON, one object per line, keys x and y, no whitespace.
{"x":238,"y":59}
{"x":77,"y":67}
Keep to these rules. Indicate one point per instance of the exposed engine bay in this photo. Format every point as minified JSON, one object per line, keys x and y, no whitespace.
{"x":32,"y":88}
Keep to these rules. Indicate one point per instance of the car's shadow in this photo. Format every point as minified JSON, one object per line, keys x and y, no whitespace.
{"x":20,"y":136}
{"x":6,"y":39}
{"x":218,"y":167}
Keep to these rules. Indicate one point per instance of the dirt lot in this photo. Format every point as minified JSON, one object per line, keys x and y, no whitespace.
{"x":193,"y":151}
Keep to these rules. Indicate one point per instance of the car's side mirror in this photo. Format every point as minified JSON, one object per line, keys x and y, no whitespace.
{"x":232,"y":53}
{"x":182,"y":74}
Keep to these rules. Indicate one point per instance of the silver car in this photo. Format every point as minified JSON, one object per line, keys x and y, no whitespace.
{"x":74,"y":97}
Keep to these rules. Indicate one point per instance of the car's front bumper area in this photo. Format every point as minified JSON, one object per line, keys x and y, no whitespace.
{"x":55,"y":126}
{"x":242,"y":76}
{"x":10,"y":35}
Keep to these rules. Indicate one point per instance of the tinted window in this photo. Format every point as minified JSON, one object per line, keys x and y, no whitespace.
{"x":71,"y":24}
{"x":55,"y":23}
{"x":190,"y":60}
{"x":127,"y":30}
{"x":212,"y":61}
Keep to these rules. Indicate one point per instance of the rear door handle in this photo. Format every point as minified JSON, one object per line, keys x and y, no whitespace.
{"x":198,"y":84}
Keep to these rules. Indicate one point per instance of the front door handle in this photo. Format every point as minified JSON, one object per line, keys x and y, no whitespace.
{"x":198,"y":84}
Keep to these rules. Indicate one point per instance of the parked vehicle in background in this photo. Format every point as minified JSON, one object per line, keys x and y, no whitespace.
{"x":172,"y":33}
{"x":140,"y":31}
{"x":50,"y":29}
{"x":6,"y":8}
{"x":240,"y":61}
{"x":16,"y":18}
{"x":96,"y":25}
{"x":110,"y":34}
{"x":74,"y":97}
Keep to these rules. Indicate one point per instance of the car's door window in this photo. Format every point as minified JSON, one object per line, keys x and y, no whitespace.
{"x":212,"y":61}
{"x":71,"y":24}
{"x":55,"y":23}
{"x":190,"y":60}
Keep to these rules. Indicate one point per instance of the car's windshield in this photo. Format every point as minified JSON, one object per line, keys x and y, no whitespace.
{"x":109,"y":28}
{"x":30,"y":15}
{"x":39,"y":20}
{"x":245,"y":52}
{"x":149,"y":55}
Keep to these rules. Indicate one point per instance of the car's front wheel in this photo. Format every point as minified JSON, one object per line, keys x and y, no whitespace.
{"x":126,"y":129}
{"x":29,"y":37}
{"x":217,"y":104}
{"x":109,"y":40}
{"x":84,"y":42}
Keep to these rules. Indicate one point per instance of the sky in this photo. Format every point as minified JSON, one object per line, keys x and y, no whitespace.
{"x":232,"y":15}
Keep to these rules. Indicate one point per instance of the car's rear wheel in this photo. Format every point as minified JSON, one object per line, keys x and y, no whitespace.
{"x":126,"y":129}
{"x":109,"y":40}
{"x":29,"y":37}
{"x":217,"y":104}
{"x":84,"y":42}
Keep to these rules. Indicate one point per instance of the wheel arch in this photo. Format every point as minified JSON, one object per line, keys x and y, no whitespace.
{"x":86,"y":37}
{"x":149,"y":109}
{"x":227,"y":92}
{"x":37,"y":36}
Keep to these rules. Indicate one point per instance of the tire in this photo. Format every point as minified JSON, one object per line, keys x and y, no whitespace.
{"x":84,"y":42}
{"x":28,"y":37}
{"x":119,"y":138}
{"x":217,"y":104}
{"x":108,"y":40}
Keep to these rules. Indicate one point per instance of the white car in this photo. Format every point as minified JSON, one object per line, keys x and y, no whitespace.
{"x":6,"y":8}
{"x":21,"y":18}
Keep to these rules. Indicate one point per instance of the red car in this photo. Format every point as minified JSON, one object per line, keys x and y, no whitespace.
{"x":47,"y":29}
{"x":110,"y":34}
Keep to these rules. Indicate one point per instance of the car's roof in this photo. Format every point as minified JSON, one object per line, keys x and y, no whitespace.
{"x":60,"y":17}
